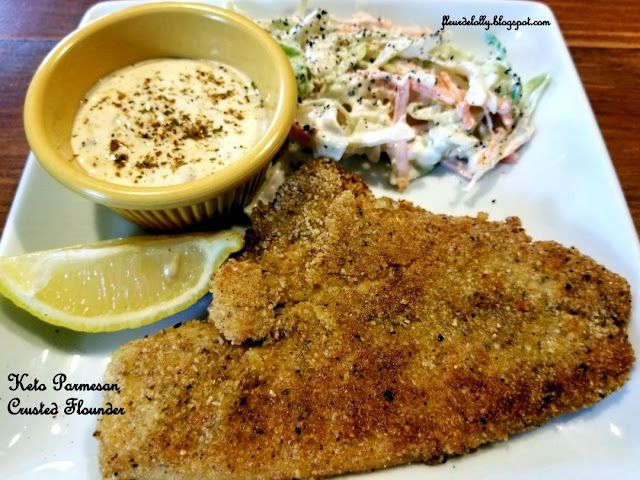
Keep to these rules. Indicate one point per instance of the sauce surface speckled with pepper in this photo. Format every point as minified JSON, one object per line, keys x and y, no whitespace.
{"x":167,"y":121}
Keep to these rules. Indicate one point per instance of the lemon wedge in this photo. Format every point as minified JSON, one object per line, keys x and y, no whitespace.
{"x":116,"y":284}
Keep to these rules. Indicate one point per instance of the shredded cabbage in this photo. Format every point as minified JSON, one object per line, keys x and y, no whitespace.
{"x":367,"y":87}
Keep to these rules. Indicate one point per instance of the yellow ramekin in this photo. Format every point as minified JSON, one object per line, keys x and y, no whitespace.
{"x":160,"y":30}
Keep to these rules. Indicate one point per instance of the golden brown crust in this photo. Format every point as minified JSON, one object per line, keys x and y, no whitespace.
{"x":390,"y":335}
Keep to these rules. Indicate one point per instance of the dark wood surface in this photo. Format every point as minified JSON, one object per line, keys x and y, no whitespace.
{"x":604,"y":39}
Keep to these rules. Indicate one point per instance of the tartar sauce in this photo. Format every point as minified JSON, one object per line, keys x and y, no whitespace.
{"x":167,"y":121}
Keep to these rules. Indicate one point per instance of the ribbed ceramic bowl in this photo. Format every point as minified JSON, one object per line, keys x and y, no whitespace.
{"x":161,"y":30}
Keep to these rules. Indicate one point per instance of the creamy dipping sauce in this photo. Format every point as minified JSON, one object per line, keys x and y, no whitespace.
{"x":167,"y":121}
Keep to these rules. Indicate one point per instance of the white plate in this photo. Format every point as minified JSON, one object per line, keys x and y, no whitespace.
{"x":564,"y":188}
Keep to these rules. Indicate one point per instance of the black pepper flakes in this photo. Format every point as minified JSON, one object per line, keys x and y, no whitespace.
{"x":121,"y":160}
{"x":150,"y":113}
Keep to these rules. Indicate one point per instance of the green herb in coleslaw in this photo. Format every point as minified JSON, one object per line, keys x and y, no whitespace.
{"x":368,"y":87}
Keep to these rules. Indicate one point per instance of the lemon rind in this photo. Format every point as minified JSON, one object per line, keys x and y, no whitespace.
{"x":138,"y":318}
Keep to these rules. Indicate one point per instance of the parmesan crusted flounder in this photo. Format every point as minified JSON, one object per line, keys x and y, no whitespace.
{"x":357,"y":333}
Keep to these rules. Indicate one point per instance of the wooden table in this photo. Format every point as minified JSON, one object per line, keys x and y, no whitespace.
{"x":604,"y":39}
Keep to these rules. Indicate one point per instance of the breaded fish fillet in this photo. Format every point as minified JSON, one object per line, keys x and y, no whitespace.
{"x":357,"y":333}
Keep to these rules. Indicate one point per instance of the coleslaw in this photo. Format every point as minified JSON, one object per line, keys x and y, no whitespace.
{"x":367,"y":87}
